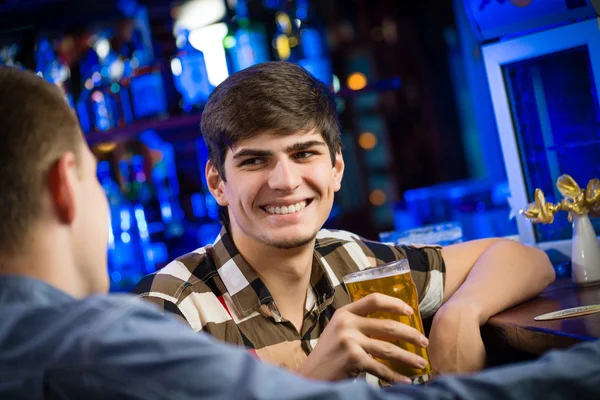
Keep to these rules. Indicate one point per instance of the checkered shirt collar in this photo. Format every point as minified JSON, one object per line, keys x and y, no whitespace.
{"x":247,"y":291}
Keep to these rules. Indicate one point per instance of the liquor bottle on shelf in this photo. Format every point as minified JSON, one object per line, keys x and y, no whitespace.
{"x":313,"y":47}
{"x":140,"y":189}
{"x":165,"y":183}
{"x":103,"y":104}
{"x":189,"y":73}
{"x":52,"y":69}
{"x":142,"y":76}
{"x":8,"y":56}
{"x":301,"y":39}
{"x":247,"y":42}
{"x":138,"y":192}
{"x":124,"y":251}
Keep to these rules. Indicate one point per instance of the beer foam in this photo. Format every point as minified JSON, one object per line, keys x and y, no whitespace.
{"x":375,"y":273}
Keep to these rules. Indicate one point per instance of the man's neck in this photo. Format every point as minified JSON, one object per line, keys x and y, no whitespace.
{"x":42,"y":259}
{"x":285,"y":272}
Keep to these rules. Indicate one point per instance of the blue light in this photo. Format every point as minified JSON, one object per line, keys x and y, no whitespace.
{"x":192,"y":83}
{"x":115,"y":276}
{"x":147,"y":95}
{"x":176,"y":66}
{"x":82,"y":113}
{"x":166,"y":211}
{"x":212,"y":207}
{"x":301,"y":13}
{"x":250,"y":49}
{"x":111,"y":235}
{"x":125,"y":237}
{"x":320,"y":68}
{"x":126,"y":103}
{"x":159,"y":252}
{"x":271,"y":3}
{"x":198,"y":204}
{"x":125,"y":220}
{"x":141,"y":220}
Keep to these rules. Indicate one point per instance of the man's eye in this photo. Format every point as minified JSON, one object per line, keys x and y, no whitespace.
{"x":251,"y":161}
{"x":303,"y":155}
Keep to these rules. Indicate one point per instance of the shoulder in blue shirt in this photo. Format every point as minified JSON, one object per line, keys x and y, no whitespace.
{"x":118,"y":346}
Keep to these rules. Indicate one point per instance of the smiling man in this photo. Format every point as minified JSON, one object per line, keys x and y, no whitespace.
{"x":271,"y":280}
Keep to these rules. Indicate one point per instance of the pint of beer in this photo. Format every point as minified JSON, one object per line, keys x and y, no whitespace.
{"x":393,"y":279}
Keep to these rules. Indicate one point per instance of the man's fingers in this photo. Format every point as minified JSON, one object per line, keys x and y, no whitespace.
{"x":391,"y":352}
{"x":374,"y":367}
{"x":379,"y":302}
{"x":388,"y":329}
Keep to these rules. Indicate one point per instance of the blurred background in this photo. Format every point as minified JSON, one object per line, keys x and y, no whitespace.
{"x":420,"y":136}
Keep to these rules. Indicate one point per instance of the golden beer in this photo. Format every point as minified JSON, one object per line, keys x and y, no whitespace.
{"x":393,"y":279}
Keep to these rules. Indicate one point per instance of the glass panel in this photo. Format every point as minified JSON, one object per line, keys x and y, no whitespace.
{"x":556,"y":116}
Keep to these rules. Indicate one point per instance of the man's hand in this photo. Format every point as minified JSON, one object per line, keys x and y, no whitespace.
{"x":351,"y":340}
{"x":456,"y":344}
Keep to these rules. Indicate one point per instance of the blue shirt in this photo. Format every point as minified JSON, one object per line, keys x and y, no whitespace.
{"x":118,"y":346}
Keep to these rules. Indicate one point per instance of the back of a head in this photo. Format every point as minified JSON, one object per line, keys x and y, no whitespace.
{"x":36,"y":127}
{"x":278,"y":97}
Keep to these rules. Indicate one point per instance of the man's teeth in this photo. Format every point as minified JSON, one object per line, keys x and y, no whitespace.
{"x":283,"y":210}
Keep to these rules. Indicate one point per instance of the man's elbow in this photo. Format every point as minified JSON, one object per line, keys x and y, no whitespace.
{"x":540,"y":266}
{"x":546,"y":268}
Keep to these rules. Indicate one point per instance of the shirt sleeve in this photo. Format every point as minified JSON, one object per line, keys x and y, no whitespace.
{"x":128,"y":349}
{"x":429,"y":274}
{"x":140,"y":353}
{"x":572,"y":374}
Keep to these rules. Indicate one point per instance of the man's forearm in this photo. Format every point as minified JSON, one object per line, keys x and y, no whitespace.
{"x":573,"y":374}
{"x":507,"y":273}
{"x":490,"y":276}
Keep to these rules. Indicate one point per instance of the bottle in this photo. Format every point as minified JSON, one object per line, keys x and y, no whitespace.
{"x":142,"y":84}
{"x":124,"y":251}
{"x":246,"y":43}
{"x":312,"y":47}
{"x":165,"y":184}
{"x":8,"y":56}
{"x":102,"y":104}
{"x":300,"y":38}
{"x":141,"y":196}
{"x":189,"y":73}
{"x":52,"y":69}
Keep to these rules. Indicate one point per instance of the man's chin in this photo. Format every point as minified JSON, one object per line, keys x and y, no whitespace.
{"x":292,"y":243}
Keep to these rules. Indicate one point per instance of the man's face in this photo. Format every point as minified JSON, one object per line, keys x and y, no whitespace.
{"x":90,"y":235}
{"x":279,"y":189}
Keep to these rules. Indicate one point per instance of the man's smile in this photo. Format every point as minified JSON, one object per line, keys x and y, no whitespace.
{"x":285,"y":208}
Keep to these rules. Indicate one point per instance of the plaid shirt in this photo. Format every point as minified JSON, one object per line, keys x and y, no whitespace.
{"x":216,"y":291}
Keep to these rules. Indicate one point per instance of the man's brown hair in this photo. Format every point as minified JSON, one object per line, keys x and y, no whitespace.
{"x":36,"y":127}
{"x":277,"y":97}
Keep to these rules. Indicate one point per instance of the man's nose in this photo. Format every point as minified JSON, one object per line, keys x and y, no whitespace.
{"x":284,"y":176}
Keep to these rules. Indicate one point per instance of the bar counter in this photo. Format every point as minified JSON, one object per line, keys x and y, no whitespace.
{"x":514,"y":335}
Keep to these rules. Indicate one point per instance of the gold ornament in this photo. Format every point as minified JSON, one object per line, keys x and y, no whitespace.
{"x":575,"y":201}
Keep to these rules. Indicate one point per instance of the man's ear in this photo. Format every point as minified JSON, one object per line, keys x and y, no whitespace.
{"x":215,"y":184}
{"x":338,"y":170}
{"x":62,"y":184}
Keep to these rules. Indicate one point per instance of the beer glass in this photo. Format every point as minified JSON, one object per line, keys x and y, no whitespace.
{"x":393,"y":279}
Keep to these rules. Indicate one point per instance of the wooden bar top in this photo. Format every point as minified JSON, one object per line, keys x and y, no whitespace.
{"x":517,"y":329}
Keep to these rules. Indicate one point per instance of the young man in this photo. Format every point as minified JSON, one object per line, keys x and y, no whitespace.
{"x":271,"y":281}
{"x":61,"y":337}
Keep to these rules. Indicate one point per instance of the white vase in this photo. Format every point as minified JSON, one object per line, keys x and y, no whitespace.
{"x":585,"y":252}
